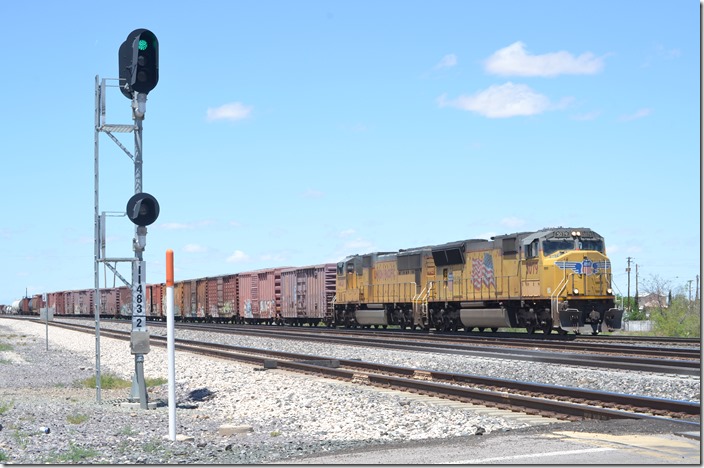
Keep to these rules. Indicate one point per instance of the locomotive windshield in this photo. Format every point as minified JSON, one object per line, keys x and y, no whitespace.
{"x":555,"y":245}
{"x":591,"y":244}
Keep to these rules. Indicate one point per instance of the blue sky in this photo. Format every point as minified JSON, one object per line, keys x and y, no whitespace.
{"x":296,"y":133}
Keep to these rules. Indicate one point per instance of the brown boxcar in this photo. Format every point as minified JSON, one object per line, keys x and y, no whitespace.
{"x":215,"y":298}
{"x":109,"y":302}
{"x":260,"y":295}
{"x":56,"y":300}
{"x":307,"y":294}
{"x":155,"y":301}
{"x":185,"y":299}
{"x":229,"y":297}
{"x":124,"y":296}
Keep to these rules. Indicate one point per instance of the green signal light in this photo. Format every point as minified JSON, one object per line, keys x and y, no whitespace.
{"x":142,"y":44}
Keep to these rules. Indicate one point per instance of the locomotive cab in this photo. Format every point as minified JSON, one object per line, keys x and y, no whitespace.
{"x":575,"y":275}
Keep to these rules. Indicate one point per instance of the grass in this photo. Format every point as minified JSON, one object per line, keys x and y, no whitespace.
{"x":21,"y":438}
{"x":275,"y":433}
{"x":107,"y":381}
{"x":155,"y":381}
{"x":5,"y":407}
{"x":127,"y":431}
{"x":74,"y":454}
{"x":3,"y":456}
{"x":151,"y":446}
{"x":77,"y":418}
{"x":5,"y":347}
{"x":111,"y":381}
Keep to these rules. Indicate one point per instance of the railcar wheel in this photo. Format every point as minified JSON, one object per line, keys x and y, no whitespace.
{"x":494,"y":329}
{"x":530,"y":329}
{"x":481,"y":329}
{"x":547,"y":328}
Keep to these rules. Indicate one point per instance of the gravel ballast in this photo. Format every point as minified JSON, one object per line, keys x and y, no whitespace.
{"x":290,"y":415}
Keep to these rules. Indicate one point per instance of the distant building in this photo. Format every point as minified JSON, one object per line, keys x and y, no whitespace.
{"x":648,"y":302}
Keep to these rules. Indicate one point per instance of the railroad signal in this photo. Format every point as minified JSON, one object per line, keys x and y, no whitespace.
{"x":139,"y":62}
{"x":142,"y":209}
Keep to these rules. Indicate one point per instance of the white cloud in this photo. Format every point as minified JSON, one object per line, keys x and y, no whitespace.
{"x":497,"y":101}
{"x":448,"y":61}
{"x":237,"y":257}
{"x":194,"y":248}
{"x":639,"y":114}
{"x":513,"y":60}
{"x":232,"y":111}
{"x":346,"y":233}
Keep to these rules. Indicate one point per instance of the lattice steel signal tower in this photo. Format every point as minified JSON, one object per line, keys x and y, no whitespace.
{"x":139,"y":73}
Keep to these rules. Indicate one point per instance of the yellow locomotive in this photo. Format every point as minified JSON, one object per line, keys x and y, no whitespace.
{"x":555,"y":278}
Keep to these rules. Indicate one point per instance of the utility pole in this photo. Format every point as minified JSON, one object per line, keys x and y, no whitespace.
{"x":696,"y":292}
{"x":635,"y":301}
{"x":690,"y":290}
{"x":628,"y":270}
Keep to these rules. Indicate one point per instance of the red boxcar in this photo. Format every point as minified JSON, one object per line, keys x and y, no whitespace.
{"x":307,"y":294}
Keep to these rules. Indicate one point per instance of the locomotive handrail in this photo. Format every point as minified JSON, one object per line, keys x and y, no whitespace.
{"x":555,"y":296}
{"x":390,"y":292}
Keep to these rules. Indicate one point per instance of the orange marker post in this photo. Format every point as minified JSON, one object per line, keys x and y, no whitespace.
{"x":170,"y":342}
{"x":169,"y":268}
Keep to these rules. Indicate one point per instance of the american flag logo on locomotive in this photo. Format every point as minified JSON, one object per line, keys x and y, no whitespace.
{"x":483,"y":271}
{"x":585,"y":267}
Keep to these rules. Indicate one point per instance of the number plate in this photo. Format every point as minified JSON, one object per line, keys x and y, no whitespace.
{"x":139,"y":297}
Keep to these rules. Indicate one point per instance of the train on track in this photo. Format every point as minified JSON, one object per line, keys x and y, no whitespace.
{"x":552,"y":279}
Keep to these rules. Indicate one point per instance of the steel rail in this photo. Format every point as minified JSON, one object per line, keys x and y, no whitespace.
{"x":415,"y":379}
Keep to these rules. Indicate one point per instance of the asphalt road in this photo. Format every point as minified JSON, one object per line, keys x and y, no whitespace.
{"x":586,"y":442}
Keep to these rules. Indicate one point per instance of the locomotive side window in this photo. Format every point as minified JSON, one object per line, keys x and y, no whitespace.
{"x":532,"y":249}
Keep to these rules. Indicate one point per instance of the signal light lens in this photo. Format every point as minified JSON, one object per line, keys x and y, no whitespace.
{"x":142,"y":44}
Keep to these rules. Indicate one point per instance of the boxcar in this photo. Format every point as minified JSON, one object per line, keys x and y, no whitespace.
{"x":259,"y":296}
{"x":307,"y":294}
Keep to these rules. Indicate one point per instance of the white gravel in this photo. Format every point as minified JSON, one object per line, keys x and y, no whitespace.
{"x":291,"y":415}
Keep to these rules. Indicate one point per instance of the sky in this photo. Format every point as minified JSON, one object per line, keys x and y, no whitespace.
{"x":297,"y":133}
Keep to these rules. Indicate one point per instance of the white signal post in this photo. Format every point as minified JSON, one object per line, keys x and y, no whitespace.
{"x":170,"y":342}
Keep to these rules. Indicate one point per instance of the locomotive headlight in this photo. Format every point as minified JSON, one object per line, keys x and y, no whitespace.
{"x":610,"y":292}
{"x":575,"y":291}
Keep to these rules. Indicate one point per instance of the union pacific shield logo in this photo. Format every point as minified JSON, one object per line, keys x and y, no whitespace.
{"x":585,"y":267}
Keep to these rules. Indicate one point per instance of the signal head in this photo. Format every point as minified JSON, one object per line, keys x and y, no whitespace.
{"x":142,"y":209}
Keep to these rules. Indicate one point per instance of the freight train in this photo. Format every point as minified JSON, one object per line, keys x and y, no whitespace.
{"x":552,"y":279}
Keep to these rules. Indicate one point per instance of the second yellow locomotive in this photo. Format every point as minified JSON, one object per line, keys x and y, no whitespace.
{"x":555,"y":278}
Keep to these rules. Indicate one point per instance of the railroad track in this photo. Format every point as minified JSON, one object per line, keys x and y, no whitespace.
{"x":548,"y":400}
{"x":665,"y":361}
